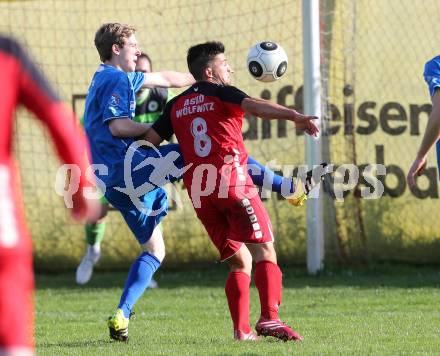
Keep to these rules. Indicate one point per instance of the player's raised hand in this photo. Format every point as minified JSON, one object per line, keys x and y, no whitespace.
{"x":416,"y":169}
{"x":307,"y":124}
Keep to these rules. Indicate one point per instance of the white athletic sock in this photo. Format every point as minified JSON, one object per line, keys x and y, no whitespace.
{"x":94,"y":252}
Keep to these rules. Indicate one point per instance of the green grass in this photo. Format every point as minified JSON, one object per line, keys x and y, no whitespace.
{"x":381,"y":310}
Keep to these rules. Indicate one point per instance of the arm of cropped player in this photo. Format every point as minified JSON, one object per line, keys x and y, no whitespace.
{"x":70,"y":142}
{"x":432,"y":134}
{"x":127,"y":128}
{"x":168,"y":79}
{"x":269,"y":110}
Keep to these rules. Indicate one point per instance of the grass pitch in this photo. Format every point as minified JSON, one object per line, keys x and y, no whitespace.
{"x":380,"y":310}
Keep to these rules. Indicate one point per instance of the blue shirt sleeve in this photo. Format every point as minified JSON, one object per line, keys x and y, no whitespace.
{"x":117,"y":99}
{"x":432,"y":74}
{"x":137,"y":79}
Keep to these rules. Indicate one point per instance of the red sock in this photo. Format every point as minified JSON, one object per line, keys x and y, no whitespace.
{"x":237,"y":293}
{"x":268,"y":280}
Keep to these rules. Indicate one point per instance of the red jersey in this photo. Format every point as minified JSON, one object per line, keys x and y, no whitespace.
{"x":207,"y":120}
{"x":22,"y":83}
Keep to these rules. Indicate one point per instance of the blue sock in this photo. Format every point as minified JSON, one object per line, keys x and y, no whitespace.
{"x":138,"y":280}
{"x":262,"y":176}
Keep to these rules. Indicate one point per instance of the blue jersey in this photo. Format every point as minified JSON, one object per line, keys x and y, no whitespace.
{"x":432,"y":78}
{"x":111,"y":96}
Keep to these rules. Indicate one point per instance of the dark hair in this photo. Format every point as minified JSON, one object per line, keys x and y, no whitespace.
{"x":108,"y":35}
{"x":147,"y":57}
{"x":200,"y":55}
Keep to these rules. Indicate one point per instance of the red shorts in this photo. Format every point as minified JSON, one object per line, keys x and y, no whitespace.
{"x":233,"y":216}
{"x":16,"y":307}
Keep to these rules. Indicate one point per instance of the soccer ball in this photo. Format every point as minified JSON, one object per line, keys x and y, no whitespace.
{"x":267,"y":61}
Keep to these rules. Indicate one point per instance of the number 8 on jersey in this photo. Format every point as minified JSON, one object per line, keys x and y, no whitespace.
{"x":202,"y":142}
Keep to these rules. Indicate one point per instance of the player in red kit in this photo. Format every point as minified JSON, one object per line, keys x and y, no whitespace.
{"x":22,"y":83}
{"x":207,"y":121}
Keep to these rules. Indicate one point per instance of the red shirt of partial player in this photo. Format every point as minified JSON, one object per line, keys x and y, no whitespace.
{"x":21,"y":83}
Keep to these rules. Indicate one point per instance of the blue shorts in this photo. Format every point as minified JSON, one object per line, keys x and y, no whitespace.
{"x":141,"y":200}
{"x":141,"y":222}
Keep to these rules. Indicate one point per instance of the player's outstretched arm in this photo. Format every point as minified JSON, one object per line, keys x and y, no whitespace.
{"x":168,"y":79}
{"x":127,"y":128}
{"x":432,"y":134}
{"x":271,"y":111}
{"x":124,"y":127}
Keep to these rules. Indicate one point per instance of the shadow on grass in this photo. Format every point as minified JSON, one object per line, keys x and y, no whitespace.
{"x":382,"y":275}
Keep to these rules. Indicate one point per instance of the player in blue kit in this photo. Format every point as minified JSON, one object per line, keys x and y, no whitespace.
{"x":109,"y":110}
{"x":126,"y":170}
{"x":150,"y":102}
{"x":432,"y":132}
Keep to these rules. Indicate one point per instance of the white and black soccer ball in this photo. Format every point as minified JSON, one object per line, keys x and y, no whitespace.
{"x":267,"y":61}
